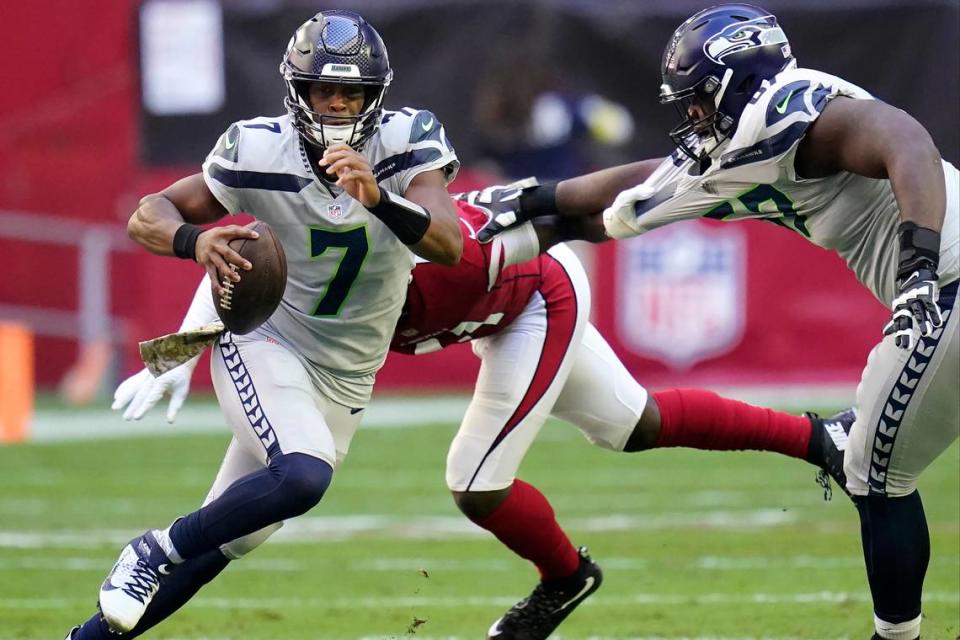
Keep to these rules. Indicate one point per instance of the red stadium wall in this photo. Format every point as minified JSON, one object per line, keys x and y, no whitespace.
{"x":789,"y":312}
{"x":68,"y":147}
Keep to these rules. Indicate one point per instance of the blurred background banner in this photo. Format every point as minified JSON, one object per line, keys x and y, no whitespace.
{"x":107,"y":100}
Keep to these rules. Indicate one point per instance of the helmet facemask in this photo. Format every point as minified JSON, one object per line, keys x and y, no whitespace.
{"x":699,"y":136}
{"x":324,"y":129}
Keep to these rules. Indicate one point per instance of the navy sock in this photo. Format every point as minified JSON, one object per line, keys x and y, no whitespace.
{"x":176,"y":590}
{"x":896,"y":549}
{"x":292,"y":484}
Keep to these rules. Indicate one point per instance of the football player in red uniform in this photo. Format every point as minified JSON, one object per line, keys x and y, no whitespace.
{"x":526,"y":316}
{"x":527,"y":319}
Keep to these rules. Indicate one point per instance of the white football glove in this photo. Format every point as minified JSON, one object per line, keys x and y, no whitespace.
{"x":620,"y":218}
{"x":141,"y":391}
{"x":915,"y":307}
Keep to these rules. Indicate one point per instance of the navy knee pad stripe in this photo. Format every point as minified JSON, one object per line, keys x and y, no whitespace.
{"x":302,"y":481}
{"x":247,"y":393}
{"x":896,"y":404}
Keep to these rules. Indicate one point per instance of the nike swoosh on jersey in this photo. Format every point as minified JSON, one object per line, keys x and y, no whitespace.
{"x":782,"y":107}
{"x":587,"y":585}
{"x":230,"y":144}
{"x":427,"y":125}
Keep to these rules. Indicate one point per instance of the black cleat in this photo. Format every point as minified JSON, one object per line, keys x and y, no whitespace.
{"x":70,"y":633}
{"x":536,"y":616}
{"x":828,"y":444}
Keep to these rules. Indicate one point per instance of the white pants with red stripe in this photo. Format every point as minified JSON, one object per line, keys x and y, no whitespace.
{"x":549,"y":360}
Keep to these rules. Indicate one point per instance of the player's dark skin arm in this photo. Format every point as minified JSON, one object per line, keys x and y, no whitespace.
{"x":873,"y":139}
{"x":591,"y":193}
{"x":159,"y":215}
{"x":581,"y":201}
{"x":443,"y":243}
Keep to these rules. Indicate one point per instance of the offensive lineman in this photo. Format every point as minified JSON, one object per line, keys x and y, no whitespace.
{"x":809,"y":151}
{"x":326,"y":176}
{"x":527,"y":319}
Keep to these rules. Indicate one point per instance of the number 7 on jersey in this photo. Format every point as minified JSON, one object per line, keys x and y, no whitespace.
{"x":353,"y":243}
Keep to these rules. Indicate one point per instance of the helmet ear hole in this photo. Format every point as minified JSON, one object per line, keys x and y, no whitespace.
{"x":371,"y":95}
{"x":746,"y":85}
{"x":303,"y":90}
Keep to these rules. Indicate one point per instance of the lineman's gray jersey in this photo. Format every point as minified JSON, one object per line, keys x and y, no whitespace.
{"x":753,"y":176}
{"x":347,"y":273}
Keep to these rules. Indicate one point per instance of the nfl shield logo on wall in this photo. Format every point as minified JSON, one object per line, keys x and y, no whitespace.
{"x":334,"y":211}
{"x":680,"y":293}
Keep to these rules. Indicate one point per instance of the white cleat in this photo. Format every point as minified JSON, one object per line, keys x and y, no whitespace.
{"x":132,"y":583}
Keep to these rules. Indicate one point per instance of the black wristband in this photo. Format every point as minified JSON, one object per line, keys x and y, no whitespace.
{"x":919,"y":248}
{"x":537,"y":201}
{"x":407,"y":220}
{"x":185,"y":241}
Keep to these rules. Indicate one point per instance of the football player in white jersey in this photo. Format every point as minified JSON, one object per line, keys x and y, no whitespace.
{"x":353,"y":192}
{"x":763,"y":138}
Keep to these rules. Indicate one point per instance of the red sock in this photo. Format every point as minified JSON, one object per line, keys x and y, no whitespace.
{"x":703,"y":420}
{"x":526,"y":524}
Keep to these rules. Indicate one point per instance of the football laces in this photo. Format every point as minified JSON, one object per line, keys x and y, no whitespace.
{"x":226,"y":290}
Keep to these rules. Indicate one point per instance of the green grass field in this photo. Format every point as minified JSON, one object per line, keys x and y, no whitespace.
{"x":709,"y":546}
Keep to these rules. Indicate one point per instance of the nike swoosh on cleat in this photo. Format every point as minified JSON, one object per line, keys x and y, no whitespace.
{"x":782,"y":107}
{"x":164,"y":569}
{"x":588,"y":584}
{"x":495,"y":629}
{"x":837,"y":434}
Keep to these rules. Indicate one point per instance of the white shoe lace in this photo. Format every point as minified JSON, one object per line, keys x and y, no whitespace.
{"x":142,"y":582}
{"x":135,"y":577}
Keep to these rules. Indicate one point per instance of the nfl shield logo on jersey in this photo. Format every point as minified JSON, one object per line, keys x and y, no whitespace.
{"x":334,"y":211}
{"x":680,"y":293}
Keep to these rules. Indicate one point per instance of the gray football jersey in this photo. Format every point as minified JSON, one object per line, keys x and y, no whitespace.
{"x":752,"y":176}
{"x":347,"y":273}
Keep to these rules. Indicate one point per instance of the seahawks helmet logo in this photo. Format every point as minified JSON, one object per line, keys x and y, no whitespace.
{"x":751,"y":34}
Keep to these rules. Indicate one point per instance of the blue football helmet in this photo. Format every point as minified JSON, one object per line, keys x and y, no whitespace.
{"x":337,"y":47}
{"x":719,"y":56}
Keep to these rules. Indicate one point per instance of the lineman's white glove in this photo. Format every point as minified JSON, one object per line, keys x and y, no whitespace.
{"x":915,"y":307}
{"x":620,"y":218}
{"x":141,"y":391}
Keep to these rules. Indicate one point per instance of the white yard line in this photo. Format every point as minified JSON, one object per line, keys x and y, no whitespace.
{"x":314,"y":529}
{"x":203,"y":416}
{"x":483,"y":565}
{"x":561,"y":637}
{"x":402,"y":602}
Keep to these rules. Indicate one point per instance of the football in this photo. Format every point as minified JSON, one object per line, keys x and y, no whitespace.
{"x":247,"y":304}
